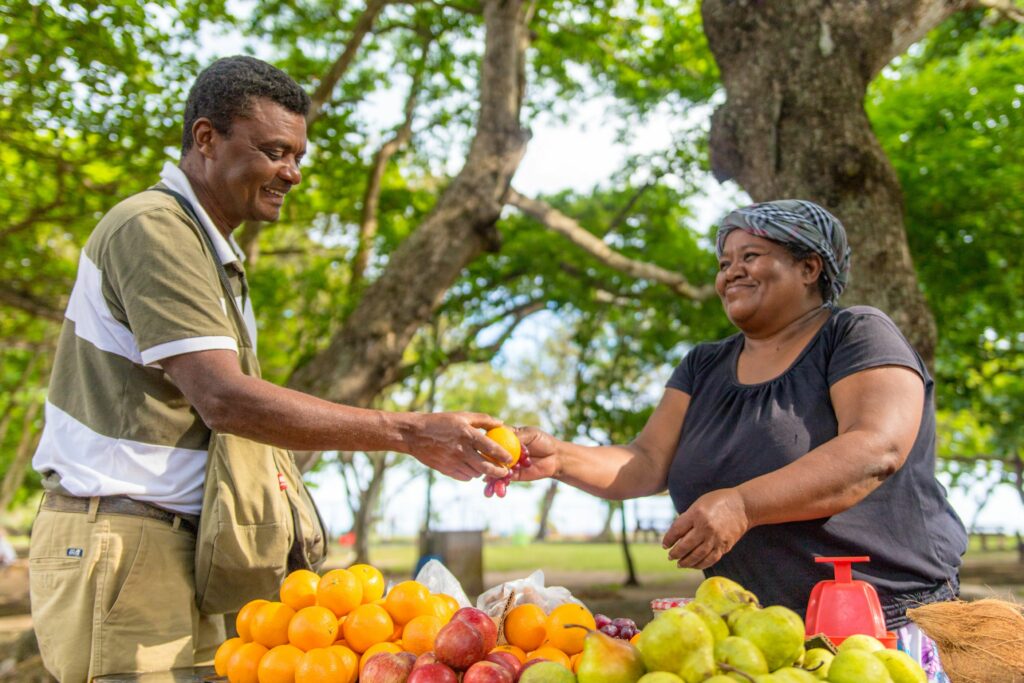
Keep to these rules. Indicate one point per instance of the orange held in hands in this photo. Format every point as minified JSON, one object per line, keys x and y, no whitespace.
{"x":507,"y":439}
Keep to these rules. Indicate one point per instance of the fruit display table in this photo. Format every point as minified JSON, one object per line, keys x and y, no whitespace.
{"x":199,"y":674}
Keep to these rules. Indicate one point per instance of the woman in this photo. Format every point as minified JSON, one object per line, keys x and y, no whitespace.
{"x":810,"y":432}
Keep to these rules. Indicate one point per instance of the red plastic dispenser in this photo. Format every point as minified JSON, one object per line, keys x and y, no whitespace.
{"x":845,"y":607}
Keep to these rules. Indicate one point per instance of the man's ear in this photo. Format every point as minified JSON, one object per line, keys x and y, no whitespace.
{"x":204,"y":136}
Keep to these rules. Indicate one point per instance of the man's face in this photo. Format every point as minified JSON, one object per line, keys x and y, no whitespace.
{"x":251,"y":170}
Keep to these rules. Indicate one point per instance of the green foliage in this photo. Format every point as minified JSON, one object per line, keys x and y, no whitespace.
{"x":949,"y":119}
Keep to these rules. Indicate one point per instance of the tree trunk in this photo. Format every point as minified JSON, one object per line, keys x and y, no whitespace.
{"x":794,"y":126}
{"x":631,"y":577}
{"x":605,"y":534}
{"x":362,"y":517}
{"x":545,"y":511}
{"x":365,"y":356}
{"x":22,"y":456}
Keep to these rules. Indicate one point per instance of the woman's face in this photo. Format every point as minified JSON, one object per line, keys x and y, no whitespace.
{"x":760,"y":283}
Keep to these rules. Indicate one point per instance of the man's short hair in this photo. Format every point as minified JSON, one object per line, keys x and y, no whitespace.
{"x":225,"y":90}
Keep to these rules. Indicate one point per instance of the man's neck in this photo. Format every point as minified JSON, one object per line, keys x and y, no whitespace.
{"x":190,"y":167}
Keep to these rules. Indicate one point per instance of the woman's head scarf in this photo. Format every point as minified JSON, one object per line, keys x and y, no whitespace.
{"x":796,"y":221}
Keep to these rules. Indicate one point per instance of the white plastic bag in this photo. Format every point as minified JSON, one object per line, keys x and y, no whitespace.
{"x":494,"y":601}
{"x":436,"y":577}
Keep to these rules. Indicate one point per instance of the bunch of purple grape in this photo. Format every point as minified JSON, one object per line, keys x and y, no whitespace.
{"x":498,"y":487}
{"x":621,"y":628}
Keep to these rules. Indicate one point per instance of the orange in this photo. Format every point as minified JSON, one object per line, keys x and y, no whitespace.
{"x":244,"y":618}
{"x":419,"y":634}
{"x":298,"y":589}
{"x":224,"y":652}
{"x":339,"y":591}
{"x":313,"y":627}
{"x":518,"y":652}
{"x":525,"y":626}
{"x":349,"y":663}
{"x":367,"y":625}
{"x":551,"y":654}
{"x":244,"y":663}
{"x":574,"y":661}
{"x":319,"y":665}
{"x":441,"y":608}
{"x":278,"y":665}
{"x":376,"y":650}
{"x":269,"y":625}
{"x":507,"y":439}
{"x":372,"y":580}
{"x":407,"y":600}
{"x":635,"y":639}
{"x":569,"y":640}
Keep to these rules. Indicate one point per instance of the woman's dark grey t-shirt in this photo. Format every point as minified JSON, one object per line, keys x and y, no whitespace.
{"x":734,"y":432}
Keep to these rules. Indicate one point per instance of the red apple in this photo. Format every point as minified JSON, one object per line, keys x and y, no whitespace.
{"x":387,"y":667}
{"x":507,"y":660}
{"x":425,"y":658}
{"x":432,"y":673}
{"x":459,"y":645}
{"x":487,"y":672}
{"x":481,"y":622}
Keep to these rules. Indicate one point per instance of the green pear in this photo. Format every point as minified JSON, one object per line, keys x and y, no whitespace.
{"x":777,"y":631}
{"x":670,"y":638}
{"x":717,"y":678}
{"x":717,"y":626}
{"x":740,"y":655}
{"x":698,"y":665}
{"x":547,"y":672}
{"x":858,"y":666}
{"x":792,"y":674}
{"x":608,"y":660}
{"x":734,"y":616}
{"x":902,"y":667}
{"x":723,"y":595}
{"x":766,"y":678}
{"x":861,"y":641}
{"x":817,"y":660}
{"x":666,"y":677}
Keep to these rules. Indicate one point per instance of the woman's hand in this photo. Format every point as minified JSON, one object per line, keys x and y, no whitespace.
{"x":707,"y":530}
{"x":543,"y":450}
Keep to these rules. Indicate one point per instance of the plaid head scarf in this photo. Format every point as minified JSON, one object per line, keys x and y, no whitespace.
{"x":796,"y":221}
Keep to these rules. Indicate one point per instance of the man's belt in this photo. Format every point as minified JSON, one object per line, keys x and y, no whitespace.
{"x":118,"y":505}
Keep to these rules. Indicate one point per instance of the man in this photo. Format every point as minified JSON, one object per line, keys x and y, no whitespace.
{"x":150,"y":360}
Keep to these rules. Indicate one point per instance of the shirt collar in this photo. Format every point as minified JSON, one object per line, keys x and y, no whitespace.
{"x":174,"y":178}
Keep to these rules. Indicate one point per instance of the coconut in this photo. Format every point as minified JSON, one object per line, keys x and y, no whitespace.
{"x":979,"y":642}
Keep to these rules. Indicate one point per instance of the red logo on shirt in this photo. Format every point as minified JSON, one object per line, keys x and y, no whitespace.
{"x":281,"y":482}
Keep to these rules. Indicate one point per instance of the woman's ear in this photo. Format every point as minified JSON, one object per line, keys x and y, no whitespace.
{"x":811,"y":268}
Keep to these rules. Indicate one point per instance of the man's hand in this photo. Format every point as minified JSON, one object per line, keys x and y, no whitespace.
{"x":453,"y":444}
{"x":707,"y":530}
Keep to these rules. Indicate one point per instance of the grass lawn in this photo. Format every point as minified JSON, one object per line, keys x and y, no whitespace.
{"x":650,"y":560}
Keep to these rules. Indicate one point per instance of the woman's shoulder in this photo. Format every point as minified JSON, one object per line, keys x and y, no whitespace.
{"x":863,"y":320}
{"x":710,"y":353}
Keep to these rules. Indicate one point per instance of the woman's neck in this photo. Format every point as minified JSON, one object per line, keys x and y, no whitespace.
{"x":799,"y":329}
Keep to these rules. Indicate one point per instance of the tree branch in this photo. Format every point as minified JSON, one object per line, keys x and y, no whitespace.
{"x":29,"y":303}
{"x":327,"y":84}
{"x":562,"y":224}
{"x":1008,"y":8}
{"x":371,"y":198}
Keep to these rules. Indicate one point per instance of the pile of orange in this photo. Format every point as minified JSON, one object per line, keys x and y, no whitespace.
{"x":325,"y":628}
{"x":533,"y":634}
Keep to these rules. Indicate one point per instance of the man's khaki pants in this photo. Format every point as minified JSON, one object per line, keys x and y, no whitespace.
{"x":115,"y":594}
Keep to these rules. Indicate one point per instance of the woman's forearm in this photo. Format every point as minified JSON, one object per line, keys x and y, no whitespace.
{"x":610,"y":472}
{"x":829,"y":479}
